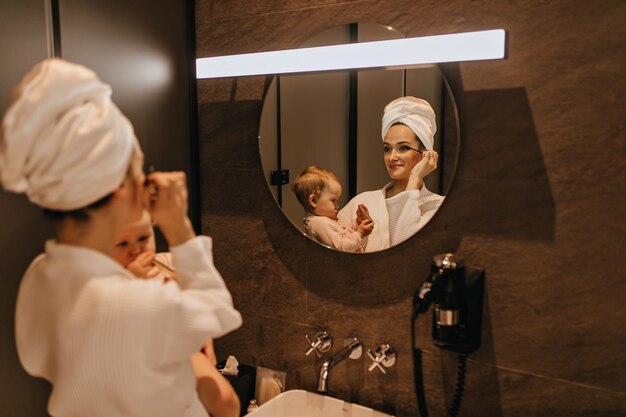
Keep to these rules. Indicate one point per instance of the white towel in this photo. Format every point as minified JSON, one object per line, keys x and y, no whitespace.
{"x":63,"y":141}
{"x":416,"y":114}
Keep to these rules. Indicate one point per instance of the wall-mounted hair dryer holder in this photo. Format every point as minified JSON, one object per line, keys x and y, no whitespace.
{"x":457,"y":296}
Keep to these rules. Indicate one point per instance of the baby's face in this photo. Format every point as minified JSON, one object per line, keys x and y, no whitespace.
{"x":327,"y":205}
{"x":136,"y":238}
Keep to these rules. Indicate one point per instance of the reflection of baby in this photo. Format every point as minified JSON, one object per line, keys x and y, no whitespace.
{"x":318,"y":190}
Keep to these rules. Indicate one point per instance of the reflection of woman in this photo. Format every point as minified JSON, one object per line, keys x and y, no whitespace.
{"x":109,"y":344}
{"x":404,"y":205}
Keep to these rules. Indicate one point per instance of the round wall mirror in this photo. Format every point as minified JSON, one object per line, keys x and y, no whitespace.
{"x":333,"y":120}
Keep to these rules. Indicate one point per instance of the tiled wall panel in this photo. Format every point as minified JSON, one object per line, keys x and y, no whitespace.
{"x":538,"y":201}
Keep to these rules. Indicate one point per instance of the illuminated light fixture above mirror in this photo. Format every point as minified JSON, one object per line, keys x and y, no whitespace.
{"x":468,"y":46}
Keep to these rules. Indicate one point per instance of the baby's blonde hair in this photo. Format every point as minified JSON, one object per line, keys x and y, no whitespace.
{"x":313,"y":180}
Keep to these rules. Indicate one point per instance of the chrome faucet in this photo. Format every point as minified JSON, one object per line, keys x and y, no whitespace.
{"x":353,"y":350}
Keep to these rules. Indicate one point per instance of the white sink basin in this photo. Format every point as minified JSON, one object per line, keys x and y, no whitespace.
{"x":300,"y":403}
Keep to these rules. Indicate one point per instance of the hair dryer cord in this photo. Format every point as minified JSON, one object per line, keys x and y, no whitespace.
{"x":460,"y":383}
{"x":418,"y":375}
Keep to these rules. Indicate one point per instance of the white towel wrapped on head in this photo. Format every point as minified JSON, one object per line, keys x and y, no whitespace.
{"x":63,"y":141}
{"x":416,"y":114}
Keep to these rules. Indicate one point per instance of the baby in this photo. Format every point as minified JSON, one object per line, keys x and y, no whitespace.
{"x":135,"y":250}
{"x":318,"y":190}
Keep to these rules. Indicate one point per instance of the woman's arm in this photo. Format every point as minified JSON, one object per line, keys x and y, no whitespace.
{"x":215,"y":392}
{"x":198,"y":306}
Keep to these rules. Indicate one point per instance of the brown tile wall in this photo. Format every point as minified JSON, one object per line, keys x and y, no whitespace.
{"x":538,"y":201}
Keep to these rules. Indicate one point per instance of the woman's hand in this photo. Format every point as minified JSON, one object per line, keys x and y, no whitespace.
{"x":168,"y":206}
{"x":216,"y":394}
{"x":142,"y":266}
{"x":425,"y":166}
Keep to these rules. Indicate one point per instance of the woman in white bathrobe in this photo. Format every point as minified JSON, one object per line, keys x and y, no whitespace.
{"x":110,"y":345}
{"x":404,"y":205}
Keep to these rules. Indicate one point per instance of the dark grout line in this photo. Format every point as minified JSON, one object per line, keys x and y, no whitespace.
{"x":547,"y":377}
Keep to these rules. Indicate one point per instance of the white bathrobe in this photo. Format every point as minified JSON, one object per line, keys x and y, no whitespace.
{"x":113,"y":345}
{"x":396,"y":218}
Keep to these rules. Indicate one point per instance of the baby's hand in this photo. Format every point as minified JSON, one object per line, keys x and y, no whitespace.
{"x":365,"y":228}
{"x":362,"y":213}
{"x":142,"y":266}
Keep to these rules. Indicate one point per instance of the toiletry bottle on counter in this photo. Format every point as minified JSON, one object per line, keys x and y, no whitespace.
{"x":253,"y":406}
{"x":269,"y":384}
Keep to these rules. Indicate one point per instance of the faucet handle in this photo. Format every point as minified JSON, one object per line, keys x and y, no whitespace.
{"x":321,"y":343}
{"x":384,"y":357}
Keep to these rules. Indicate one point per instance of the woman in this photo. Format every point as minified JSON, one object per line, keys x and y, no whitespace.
{"x":404,"y":205}
{"x":109,"y":344}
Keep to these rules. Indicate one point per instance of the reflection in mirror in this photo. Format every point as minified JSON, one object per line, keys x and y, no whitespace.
{"x":333,"y":121}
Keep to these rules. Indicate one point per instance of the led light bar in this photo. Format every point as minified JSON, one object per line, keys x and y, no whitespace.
{"x":469,"y":46}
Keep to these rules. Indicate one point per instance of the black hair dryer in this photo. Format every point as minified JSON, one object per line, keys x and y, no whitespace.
{"x":457,"y":318}
{"x":458,"y":303}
